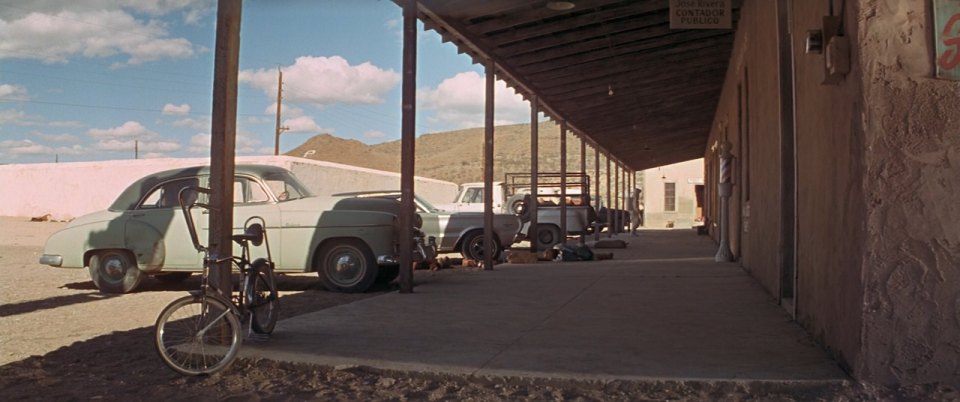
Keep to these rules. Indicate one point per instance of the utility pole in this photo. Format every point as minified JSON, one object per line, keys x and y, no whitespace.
{"x":136,"y":149}
{"x":276,"y":143}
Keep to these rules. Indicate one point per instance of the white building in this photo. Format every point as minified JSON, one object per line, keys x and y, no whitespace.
{"x":670,"y":194}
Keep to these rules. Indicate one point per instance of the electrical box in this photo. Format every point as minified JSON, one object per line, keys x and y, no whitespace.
{"x":836,"y":51}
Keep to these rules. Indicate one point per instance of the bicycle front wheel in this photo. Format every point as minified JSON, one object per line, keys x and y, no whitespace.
{"x":197,"y":335}
{"x":262,"y":298}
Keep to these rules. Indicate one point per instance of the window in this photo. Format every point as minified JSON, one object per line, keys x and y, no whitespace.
{"x":473,"y":195}
{"x":166,"y":194}
{"x":670,"y":197}
{"x":246,"y":190}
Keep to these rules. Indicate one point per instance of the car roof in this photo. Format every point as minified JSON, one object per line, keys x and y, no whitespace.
{"x":129,"y":198}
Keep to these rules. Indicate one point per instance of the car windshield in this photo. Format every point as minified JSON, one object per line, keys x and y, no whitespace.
{"x":424,"y":204}
{"x":285,"y":186}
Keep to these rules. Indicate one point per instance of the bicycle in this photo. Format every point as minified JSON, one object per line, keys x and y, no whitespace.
{"x":200,"y":334}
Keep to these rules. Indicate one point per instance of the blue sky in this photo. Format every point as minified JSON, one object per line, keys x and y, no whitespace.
{"x":87,"y":79}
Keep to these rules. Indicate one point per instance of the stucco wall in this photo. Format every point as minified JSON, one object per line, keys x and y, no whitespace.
{"x":68,"y":190}
{"x":911,"y":328}
{"x":685,"y":175}
{"x":830,"y":204}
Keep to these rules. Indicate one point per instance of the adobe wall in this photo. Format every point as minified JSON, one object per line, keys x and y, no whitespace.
{"x":68,"y":190}
{"x":830,"y":199}
{"x":830,"y":205}
{"x":748,"y":117}
{"x":911,"y":325}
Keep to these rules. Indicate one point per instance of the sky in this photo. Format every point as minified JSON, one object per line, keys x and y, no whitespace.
{"x":88,"y":80}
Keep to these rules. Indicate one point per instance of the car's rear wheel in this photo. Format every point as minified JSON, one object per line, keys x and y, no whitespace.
{"x":114,"y":271}
{"x":548,"y":236}
{"x":347,"y":265}
{"x":473,"y":248}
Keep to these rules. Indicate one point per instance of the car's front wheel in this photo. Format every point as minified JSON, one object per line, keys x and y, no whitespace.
{"x":114,"y":271}
{"x":473,"y":247}
{"x":347,"y":265}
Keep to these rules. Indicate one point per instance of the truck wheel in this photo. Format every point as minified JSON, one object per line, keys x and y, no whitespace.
{"x":113,"y":271}
{"x":472,"y":246}
{"x":346,"y":265}
{"x":548,"y":236}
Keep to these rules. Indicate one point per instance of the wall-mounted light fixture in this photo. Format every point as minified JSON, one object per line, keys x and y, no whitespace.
{"x":610,"y":90}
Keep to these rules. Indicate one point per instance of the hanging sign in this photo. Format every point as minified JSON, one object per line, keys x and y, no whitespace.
{"x":946,"y":33}
{"x":700,"y":14}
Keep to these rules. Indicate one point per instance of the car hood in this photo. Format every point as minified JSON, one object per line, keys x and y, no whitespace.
{"x":94,"y":217}
{"x":309,"y":204}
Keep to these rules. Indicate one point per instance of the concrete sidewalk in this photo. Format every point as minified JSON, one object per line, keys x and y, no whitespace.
{"x":661,"y":309}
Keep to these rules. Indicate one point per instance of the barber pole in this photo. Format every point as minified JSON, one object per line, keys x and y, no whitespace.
{"x":725,"y":189}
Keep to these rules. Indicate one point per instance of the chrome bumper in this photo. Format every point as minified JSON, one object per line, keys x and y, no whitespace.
{"x":388,"y":260}
{"x":51,"y":260}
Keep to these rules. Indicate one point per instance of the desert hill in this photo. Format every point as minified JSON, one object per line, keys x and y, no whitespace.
{"x":455,"y":156}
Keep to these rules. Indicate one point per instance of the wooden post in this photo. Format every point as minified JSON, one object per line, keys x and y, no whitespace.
{"x":223,"y":141}
{"x":584,"y":191}
{"x":407,"y":143}
{"x":488,"y":169}
{"x":596,"y":184}
{"x":534,"y":169}
{"x":610,"y":206}
{"x":563,"y":181}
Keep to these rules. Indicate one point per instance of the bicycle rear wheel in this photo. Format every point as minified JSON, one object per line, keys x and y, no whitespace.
{"x":197,"y":335}
{"x":262,"y":298}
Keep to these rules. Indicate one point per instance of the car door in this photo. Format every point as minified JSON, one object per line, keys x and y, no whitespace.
{"x":156,"y":232}
{"x":252,"y":199}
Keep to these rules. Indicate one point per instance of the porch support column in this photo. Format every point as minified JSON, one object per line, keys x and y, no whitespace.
{"x":584,"y":189}
{"x":534,"y":168}
{"x":408,"y":143}
{"x":488,"y":169}
{"x":616,"y":197}
{"x":596,"y":192}
{"x":610,"y":205}
{"x":223,"y":126}
{"x":563,"y":181}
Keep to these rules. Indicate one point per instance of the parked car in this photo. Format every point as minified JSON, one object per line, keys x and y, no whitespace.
{"x":457,"y":231}
{"x":144,"y":232}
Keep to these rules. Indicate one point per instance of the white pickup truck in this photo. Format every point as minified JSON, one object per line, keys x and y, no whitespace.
{"x":513,"y":194}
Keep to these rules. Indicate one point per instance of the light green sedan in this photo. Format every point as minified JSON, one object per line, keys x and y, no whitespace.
{"x":144,"y":232}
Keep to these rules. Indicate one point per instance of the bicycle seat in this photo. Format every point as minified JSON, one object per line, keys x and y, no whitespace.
{"x":253,"y":234}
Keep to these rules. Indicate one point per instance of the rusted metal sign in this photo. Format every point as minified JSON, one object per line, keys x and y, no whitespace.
{"x":700,"y":14}
{"x":946,"y":33}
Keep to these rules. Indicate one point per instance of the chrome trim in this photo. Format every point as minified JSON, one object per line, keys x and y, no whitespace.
{"x":52,"y":260}
{"x":387,"y":260}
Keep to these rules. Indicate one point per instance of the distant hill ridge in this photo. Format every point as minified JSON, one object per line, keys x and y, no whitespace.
{"x":455,"y":156}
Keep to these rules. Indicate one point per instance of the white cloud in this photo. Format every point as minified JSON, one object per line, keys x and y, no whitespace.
{"x":55,"y":37}
{"x":26,"y":147}
{"x":374,"y":135}
{"x":57,"y":137}
{"x":196,"y":124}
{"x":171,"y":109}
{"x":247,"y":144}
{"x":115,"y":145}
{"x":304,"y":124}
{"x":130,"y":129}
{"x":11,"y":116}
{"x":13,"y":92}
{"x":152,"y":7}
{"x":325,"y":80}
{"x":459,"y":101}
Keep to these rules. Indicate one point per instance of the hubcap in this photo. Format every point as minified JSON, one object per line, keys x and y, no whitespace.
{"x":114,"y":268}
{"x":347,"y":267}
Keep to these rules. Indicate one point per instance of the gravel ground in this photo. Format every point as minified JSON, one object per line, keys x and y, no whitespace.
{"x":60,"y":339}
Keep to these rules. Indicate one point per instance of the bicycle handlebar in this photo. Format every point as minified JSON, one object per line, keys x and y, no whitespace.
{"x":186,"y":213}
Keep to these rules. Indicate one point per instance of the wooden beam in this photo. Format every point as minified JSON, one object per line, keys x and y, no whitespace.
{"x":536,"y":14}
{"x":223,"y":142}
{"x":408,"y":144}
{"x":490,"y":70}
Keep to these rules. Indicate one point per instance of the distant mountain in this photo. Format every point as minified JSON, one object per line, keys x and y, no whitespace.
{"x":455,"y":156}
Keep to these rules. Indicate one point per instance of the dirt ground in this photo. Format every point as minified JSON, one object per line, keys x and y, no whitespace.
{"x":60,"y":339}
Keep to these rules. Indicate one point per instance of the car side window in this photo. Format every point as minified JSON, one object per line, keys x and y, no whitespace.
{"x":246,"y":190}
{"x":165,"y":195}
{"x":473,"y":195}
